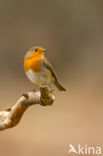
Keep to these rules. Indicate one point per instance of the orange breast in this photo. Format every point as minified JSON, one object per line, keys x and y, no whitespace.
{"x":33,"y":64}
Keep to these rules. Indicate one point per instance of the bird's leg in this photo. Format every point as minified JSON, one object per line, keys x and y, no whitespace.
{"x":51,"y":87}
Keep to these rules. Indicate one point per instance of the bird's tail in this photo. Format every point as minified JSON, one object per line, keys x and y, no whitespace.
{"x":59,"y":86}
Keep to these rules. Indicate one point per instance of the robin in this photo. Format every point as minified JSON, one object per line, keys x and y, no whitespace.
{"x":39,"y":70}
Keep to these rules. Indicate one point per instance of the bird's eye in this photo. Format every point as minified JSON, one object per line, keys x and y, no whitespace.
{"x":36,"y":50}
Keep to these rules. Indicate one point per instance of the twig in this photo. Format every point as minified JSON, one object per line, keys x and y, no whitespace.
{"x":11,"y":117}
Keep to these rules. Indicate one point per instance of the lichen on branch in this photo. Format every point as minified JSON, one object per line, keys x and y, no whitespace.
{"x":11,"y":117}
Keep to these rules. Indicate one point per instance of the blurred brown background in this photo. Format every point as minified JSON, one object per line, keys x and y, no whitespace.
{"x":72,"y":31}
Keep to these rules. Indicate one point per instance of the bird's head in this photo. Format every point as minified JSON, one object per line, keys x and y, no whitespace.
{"x":35,"y":52}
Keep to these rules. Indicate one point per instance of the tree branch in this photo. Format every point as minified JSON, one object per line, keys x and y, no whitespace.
{"x":11,"y":117}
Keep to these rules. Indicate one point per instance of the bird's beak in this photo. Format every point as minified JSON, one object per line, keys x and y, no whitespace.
{"x":44,"y":50}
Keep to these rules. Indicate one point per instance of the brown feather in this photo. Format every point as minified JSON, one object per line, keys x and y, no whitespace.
{"x":54,"y":80}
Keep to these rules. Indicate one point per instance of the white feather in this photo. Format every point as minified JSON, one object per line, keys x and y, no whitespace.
{"x":42,"y":78}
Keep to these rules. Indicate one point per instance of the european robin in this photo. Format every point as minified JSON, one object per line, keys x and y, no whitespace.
{"x":39,"y":70}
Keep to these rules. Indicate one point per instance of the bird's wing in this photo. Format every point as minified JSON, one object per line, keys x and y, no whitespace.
{"x":54,"y":77}
{"x":50,"y":68}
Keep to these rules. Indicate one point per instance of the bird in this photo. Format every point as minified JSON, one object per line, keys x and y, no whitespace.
{"x":39,"y":70}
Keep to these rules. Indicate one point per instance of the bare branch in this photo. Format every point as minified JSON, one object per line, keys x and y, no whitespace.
{"x":11,"y":117}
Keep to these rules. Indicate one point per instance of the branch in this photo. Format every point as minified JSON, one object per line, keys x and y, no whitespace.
{"x":11,"y":117}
